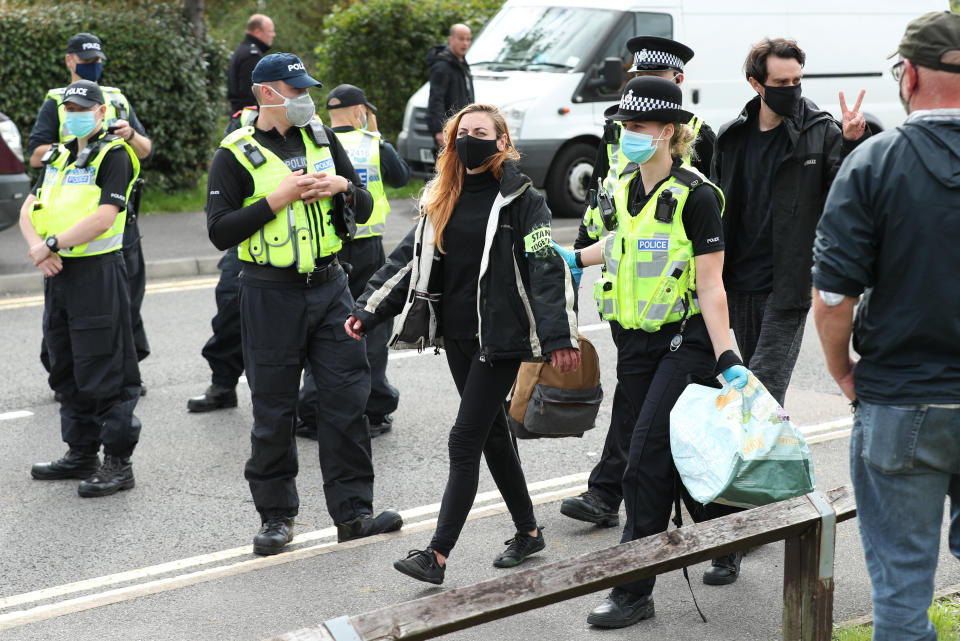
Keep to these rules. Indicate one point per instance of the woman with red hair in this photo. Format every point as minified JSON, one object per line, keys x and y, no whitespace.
{"x":478,"y":277}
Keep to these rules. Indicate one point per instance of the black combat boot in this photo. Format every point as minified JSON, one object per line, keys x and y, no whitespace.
{"x":215,"y":398}
{"x":274,"y":534}
{"x":368,"y":525}
{"x":590,"y":508}
{"x":73,"y":465}
{"x":723,"y":570}
{"x":114,"y":475}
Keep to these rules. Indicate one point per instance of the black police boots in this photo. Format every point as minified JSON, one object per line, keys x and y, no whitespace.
{"x":216,"y":397}
{"x":114,"y":475}
{"x":73,"y":465}
{"x":368,"y":525}
{"x":274,"y":534}
{"x":380,"y":425}
{"x":620,"y":609}
{"x":590,"y":508}
{"x":724,"y":570}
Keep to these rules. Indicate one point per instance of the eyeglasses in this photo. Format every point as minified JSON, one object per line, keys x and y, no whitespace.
{"x":897,"y":70}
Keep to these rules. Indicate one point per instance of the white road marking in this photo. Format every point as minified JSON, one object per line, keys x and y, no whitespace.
{"x":152,"y":288}
{"x":17,"y":414}
{"x":97,"y":599}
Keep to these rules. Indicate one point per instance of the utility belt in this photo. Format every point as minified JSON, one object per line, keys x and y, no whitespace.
{"x":289,"y":277}
{"x":96,"y":259}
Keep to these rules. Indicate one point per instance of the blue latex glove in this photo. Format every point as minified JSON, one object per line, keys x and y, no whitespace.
{"x":567,"y":255}
{"x":577,"y":273}
{"x":736,"y":375}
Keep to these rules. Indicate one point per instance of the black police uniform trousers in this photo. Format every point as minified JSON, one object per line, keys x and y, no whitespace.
{"x":366,"y":256}
{"x":653,"y":378}
{"x":136,"y":278}
{"x":223,"y":350}
{"x":93,"y":358}
{"x":285,"y":325}
{"x":606,"y":478}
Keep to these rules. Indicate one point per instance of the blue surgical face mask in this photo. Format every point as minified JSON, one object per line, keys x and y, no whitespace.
{"x":90,"y":70}
{"x":81,"y":123}
{"x":639,"y":147}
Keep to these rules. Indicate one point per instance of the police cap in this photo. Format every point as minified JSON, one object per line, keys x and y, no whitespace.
{"x":286,"y":67}
{"x":347,"y":96}
{"x":651,"y":53}
{"x":86,"y":46}
{"x":929,"y":37}
{"x":84,"y":93}
{"x":650,"y":98}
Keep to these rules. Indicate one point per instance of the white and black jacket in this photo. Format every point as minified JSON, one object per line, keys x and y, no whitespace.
{"x":526,"y":302}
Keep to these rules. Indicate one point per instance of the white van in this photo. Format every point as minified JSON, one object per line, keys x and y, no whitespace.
{"x":547,"y":65}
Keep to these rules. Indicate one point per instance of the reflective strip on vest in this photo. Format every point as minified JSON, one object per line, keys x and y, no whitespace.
{"x":299,"y":234}
{"x":593,"y":222}
{"x":612,"y":264}
{"x":363,"y":147}
{"x":609,"y":306}
{"x":68,"y":195}
{"x":118,"y":108}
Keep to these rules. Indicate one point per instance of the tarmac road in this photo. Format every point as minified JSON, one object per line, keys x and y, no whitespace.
{"x":171,"y":558}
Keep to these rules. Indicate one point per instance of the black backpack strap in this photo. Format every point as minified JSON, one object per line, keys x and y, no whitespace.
{"x":689,"y":179}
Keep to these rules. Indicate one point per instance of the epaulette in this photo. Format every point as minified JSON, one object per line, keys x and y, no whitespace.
{"x":688,"y":177}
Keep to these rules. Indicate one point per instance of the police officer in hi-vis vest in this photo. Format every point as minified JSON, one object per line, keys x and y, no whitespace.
{"x":84,"y":60}
{"x":665,"y":58}
{"x":73,"y":222}
{"x":663,"y":284}
{"x":284,"y":190}
{"x":377,"y":163}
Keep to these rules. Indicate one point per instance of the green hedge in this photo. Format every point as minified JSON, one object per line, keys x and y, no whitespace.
{"x":381,"y":46}
{"x":175,"y":83}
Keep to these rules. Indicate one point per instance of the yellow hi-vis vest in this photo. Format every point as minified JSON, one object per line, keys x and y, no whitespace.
{"x":69,"y":194}
{"x":649,"y":273}
{"x":363,"y":147}
{"x":299,"y":234}
{"x":118,"y":108}
{"x":592,"y":219}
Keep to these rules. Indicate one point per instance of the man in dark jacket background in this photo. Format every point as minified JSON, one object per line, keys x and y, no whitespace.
{"x":775,"y":163}
{"x":451,"y":84}
{"x":890,"y":231}
{"x":253,"y":47}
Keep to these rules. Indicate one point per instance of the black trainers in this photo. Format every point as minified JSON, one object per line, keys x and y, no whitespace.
{"x":72,"y":465}
{"x":590,"y":508}
{"x":519,"y":548}
{"x":368,"y":525}
{"x":620,"y":609}
{"x":114,"y":475}
{"x":724,"y":570}
{"x":274,"y":534}
{"x":380,"y":425}
{"x":421,"y":565}
{"x":216,"y":397}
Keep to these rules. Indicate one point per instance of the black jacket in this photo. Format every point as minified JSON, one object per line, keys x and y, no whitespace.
{"x":245,"y":57}
{"x":890,"y":230}
{"x":451,"y":86}
{"x":526,"y":297}
{"x":800,"y":184}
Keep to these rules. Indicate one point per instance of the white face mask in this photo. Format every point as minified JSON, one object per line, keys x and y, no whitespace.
{"x":299,"y":109}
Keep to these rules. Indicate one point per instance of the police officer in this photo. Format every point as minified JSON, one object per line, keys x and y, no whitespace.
{"x":74,"y":227}
{"x":260,"y":33}
{"x":663,"y":285}
{"x":84,"y":59}
{"x":354,"y":120}
{"x":665,"y":58}
{"x":284,"y":190}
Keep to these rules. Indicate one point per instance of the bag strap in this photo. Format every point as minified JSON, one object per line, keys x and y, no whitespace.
{"x":678,"y":521}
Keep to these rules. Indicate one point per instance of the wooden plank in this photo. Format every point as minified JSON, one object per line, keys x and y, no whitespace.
{"x":462,"y":608}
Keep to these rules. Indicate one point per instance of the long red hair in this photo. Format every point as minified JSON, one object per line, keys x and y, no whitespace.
{"x":441,"y":194}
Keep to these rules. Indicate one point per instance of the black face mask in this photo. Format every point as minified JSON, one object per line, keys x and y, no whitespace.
{"x":783,"y":100}
{"x":473,"y":152}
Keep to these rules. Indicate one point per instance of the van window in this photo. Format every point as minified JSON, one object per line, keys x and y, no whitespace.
{"x":643,"y":24}
{"x":540,"y":38}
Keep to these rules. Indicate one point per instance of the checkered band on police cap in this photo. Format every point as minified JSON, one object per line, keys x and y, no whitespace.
{"x":652,"y":58}
{"x":630,"y":102}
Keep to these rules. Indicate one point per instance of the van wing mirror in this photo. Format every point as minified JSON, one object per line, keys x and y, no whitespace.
{"x":609,"y":77}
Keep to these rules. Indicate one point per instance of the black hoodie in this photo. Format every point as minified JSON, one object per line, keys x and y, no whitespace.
{"x":890,"y":230}
{"x":815,"y":150}
{"x":451,"y":86}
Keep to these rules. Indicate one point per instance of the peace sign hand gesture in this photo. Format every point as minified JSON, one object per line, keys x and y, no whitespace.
{"x":854,"y":126}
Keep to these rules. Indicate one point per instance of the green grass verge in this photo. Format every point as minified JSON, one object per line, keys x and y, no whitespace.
{"x":944,"y":613}
{"x":160,"y":202}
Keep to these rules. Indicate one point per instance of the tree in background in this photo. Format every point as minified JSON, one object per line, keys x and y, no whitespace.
{"x":381,"y":46}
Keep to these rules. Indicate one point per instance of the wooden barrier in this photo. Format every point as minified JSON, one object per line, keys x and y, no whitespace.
{"x":807,"y":524}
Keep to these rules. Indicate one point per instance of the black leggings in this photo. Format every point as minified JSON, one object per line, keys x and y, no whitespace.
{"x":481,"y":426}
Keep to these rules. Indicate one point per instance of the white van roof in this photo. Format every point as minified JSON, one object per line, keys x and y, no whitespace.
{"x":615,"y":5}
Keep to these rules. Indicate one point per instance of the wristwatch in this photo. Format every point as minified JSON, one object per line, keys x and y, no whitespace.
{"x":351,"y":188}
{"x":52,"y":244}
